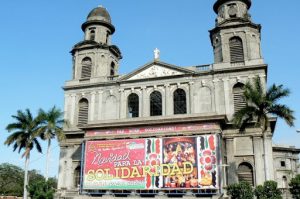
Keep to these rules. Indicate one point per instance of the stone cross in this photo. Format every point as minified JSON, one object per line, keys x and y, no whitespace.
{"x":156,"y":54}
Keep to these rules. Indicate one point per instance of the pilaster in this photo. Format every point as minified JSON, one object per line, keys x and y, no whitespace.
{"x":100,"y":108}
{"x":259,"y":160}
{"x":191,"y":109}
{"x":168,"y":101}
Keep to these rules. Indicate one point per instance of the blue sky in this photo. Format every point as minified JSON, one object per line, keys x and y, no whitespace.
{"x":36,"y":37}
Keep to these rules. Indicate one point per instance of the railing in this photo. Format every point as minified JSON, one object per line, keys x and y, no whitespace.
{"x":204,"y":68}
{"x":112,"y":77}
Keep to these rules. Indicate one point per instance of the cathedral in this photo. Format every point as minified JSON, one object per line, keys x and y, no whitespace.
{"x":165,"y":130}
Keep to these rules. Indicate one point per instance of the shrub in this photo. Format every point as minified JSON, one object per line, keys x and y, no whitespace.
{"x":295,"y":187}
{"x":268,"y":191}
{"x":41,"y":190}
{"x":242,"y":190}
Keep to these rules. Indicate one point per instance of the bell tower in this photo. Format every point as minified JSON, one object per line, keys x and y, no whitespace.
{"x":95,"y":59}
{"x":235,"y":38}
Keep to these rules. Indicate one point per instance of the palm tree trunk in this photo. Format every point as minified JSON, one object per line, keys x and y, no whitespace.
{"x":26,"y":177}
{"x":47,"y":160}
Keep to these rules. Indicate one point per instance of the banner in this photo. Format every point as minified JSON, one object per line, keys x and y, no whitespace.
{"x":152,"y":163}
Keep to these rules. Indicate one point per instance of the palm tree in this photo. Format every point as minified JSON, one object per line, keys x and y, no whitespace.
{"x":260,"y":105}
{"x":51,"y":127}
{"x":24,"y":136}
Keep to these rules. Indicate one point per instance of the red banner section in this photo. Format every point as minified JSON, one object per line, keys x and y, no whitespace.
{"x":152,"y":163}
{"x":156,"y":129}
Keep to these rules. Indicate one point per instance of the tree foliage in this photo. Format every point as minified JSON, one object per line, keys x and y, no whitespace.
{"x":12,"y":180}
{"x":242,"y":190}
{"x":268,"y":191}
{"x":261,"y":104}
{"x":42,"y":189}
{"x":295,"y":187}
{"x":51,"y":126}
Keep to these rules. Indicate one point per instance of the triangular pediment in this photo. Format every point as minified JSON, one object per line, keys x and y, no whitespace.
{"x":156,"y":69}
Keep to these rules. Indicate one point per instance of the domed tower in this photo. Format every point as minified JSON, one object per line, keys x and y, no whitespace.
{"x":235,"y":38}
{"x":95,"y":59}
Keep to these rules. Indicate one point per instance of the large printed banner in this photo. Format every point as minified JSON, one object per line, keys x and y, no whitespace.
{"x":152,"y":163}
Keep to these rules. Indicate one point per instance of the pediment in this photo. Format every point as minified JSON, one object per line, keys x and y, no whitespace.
{"x":155,"y":70}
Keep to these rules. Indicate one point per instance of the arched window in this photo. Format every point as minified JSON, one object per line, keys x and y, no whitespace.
{"x":155,"y":103}
{"x":238,"y":97}
{"x":236,"y":50}
{"x":86,"y":69}
{"x":245,"y":173}
{"x":133,"y":105}
{"x":179,"y":100}
{"x":92,"y":35}
{"x":83,"y":112}
{"x":284,"y":182}
{"x":77,"y":177}
{"x":112,"y":69}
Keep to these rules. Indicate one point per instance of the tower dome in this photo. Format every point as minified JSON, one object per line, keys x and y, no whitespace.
{"x":220,"y":2}
{"x":99,"y":14}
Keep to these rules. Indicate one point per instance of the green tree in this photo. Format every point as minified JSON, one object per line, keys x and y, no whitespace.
{"x":11,"y":180}
{"x":24,"y":137}
{"x":268,"y":191}
{"x":51,"y":127}
{"x":242,"y":190}
{"x":260,"y":104}
{"x":42,"y":189}
{"x":295,"y":187}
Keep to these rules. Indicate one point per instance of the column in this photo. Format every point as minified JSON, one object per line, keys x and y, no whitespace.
{"x":62,"y":169}
{"x":232,"y":178}
{"x":68,"y":164}
{"x":92,"y":107}
{"x":227,"y":96}
{"x":259,"y":160}
{"x":145,"y":102}
{"x":218,"y":97}
{"x":66,"y":107}
{"x":268,"y":156}
{"x":191,"y":98}
{"x":122,"y":104}
{"x":100,"y":101}
{"x":73,"y":110}
{"x":168,"y":102}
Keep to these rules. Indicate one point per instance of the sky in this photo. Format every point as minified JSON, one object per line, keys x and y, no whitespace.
{"x":36,"y":38}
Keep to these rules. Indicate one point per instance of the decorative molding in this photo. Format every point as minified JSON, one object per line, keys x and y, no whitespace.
{"x":155,"y":71}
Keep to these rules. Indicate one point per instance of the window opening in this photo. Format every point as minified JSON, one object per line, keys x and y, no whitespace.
{"x":236,"y":50}
{"x":112,"y":69}
{"x":133,"y":105}
{"x":245,"y":173}
{"x":179,"y":99}
{"x":238,"y":97}
{"x":92,"y":35}
{"x":155,"y":104}
{"x":86,"y":69}
{"x":83,"y":112}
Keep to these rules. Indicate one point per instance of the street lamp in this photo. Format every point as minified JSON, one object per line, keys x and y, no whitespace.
{"x":298,"y":131}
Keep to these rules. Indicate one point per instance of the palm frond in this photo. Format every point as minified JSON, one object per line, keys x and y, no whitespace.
{"x":38,"y":146}
{"x":275,"y":93}
{"x":283,"y":112}
{"x":263,"y":103}
{"x":252,"y":95}
{"x":243,"y":115}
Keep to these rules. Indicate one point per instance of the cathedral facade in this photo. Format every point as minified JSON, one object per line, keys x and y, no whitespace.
{"x":163,"y":129}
